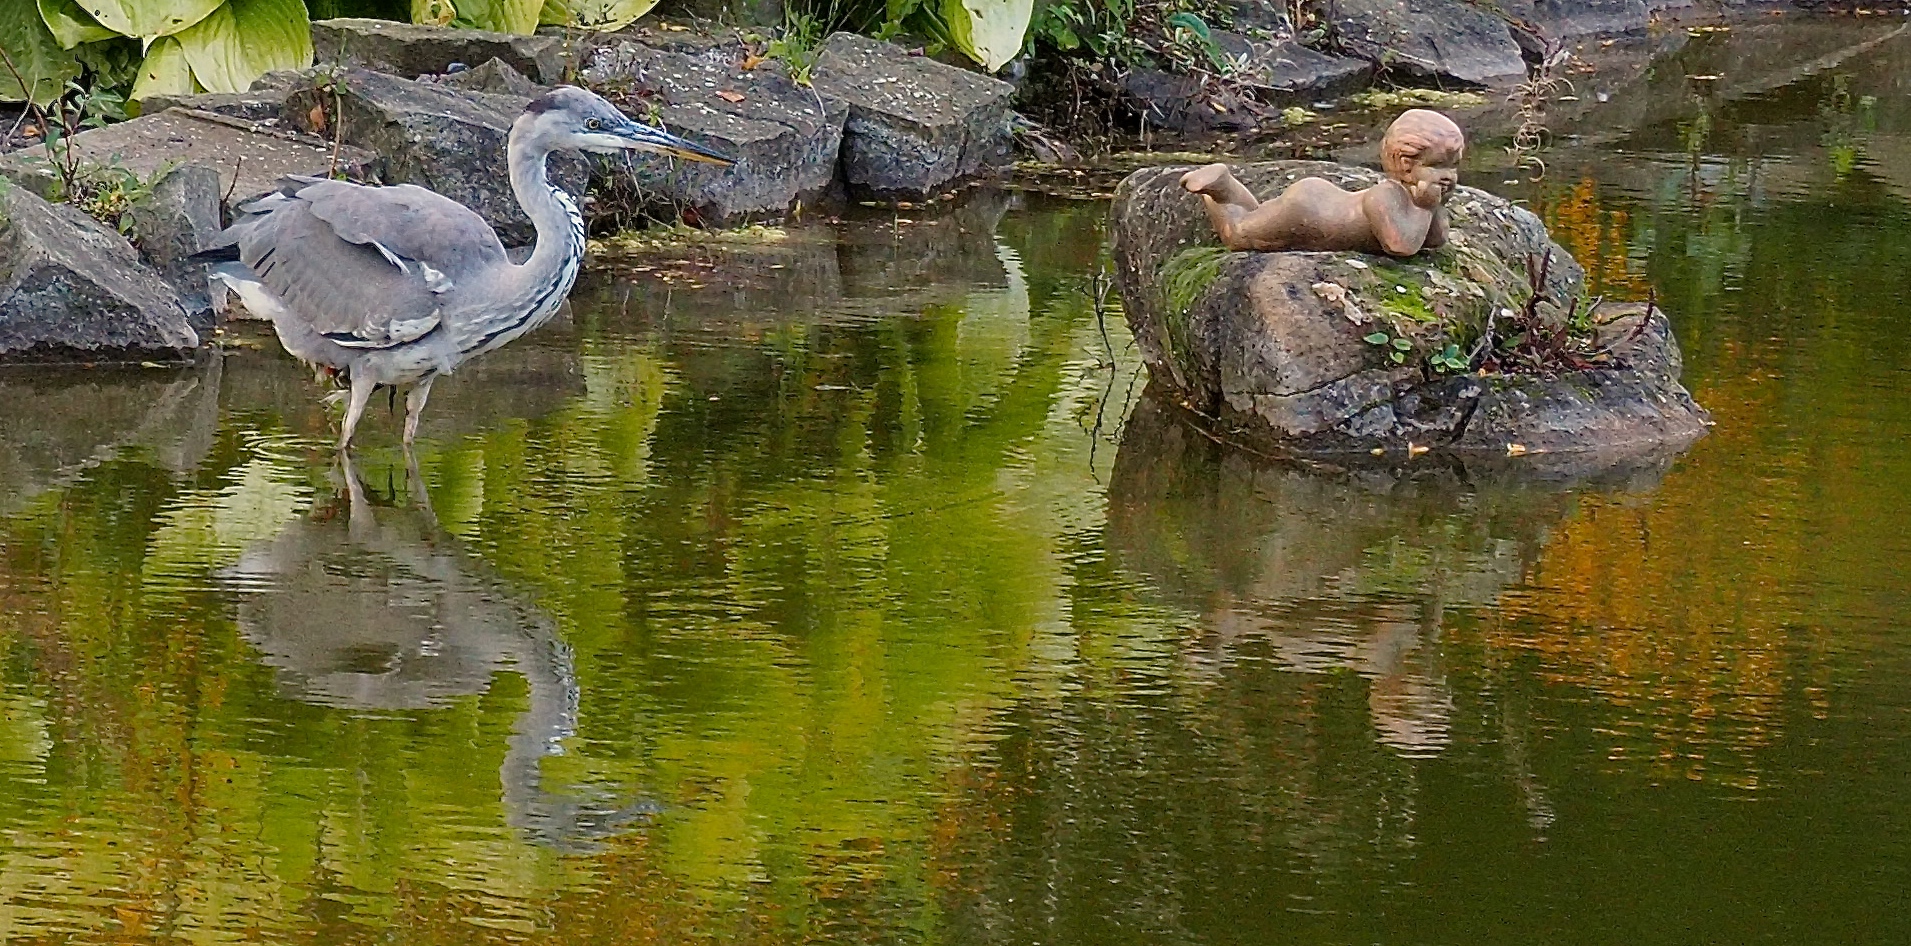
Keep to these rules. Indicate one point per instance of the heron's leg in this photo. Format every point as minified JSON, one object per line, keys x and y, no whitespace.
{"x":420,"y":496}
{"x":415,"y":406}
{"x":358,"y":523}
{"x":355,"y":408}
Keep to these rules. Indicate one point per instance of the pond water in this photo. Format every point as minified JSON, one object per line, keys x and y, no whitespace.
{"x":863,"y":599}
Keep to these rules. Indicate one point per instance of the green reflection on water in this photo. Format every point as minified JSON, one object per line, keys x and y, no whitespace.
{"x":852,"y":600}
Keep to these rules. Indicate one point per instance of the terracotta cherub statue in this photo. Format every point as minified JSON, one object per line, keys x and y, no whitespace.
{"x":1399,"y":216}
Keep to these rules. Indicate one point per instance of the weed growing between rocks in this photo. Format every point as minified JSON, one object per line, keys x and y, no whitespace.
{"x":1547,"y":336}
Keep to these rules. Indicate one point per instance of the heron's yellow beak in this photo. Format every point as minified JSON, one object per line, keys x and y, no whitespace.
{"x":657,"y":141}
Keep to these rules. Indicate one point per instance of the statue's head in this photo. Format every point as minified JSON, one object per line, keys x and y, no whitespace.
{"x":1423,"y":147}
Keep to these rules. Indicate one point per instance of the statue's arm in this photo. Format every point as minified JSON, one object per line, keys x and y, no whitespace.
{"x":1437,"y":230}
{"x":1399,"y":226}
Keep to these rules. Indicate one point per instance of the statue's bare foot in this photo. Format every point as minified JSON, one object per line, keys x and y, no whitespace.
{"x":1206,"y":180}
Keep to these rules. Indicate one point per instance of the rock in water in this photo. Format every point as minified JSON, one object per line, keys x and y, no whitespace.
{"x":70,"y":287}
{"x":437,"y":137}
{"x":1273,"y":348}
{"x":916,"y":127}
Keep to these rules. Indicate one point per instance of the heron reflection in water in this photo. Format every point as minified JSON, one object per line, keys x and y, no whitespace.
{"x":394,"y":286}
{"x":379,"y":609}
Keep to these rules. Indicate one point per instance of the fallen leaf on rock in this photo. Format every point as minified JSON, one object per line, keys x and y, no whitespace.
{"x":729,"y":96}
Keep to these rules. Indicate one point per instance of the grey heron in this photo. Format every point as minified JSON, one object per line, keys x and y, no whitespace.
{"x":394,"y":286}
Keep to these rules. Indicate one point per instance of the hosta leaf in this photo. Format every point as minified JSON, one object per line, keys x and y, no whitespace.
{"x":987,"y":31}
{"x":43,"y":66}
{"x":433,"y":12}
{"x":164,"y":71}
{"x":71,"y":24}
{"x":594,"y":14}
{"x":245,"y":39}
{"x":500,"y":16}
{"x":147,"y":18}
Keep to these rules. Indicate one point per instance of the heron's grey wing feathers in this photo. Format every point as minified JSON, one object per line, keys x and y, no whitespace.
{"x":353,"y":293}
{"x":407,"y":221}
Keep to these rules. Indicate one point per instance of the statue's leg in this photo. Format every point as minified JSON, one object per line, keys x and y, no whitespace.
{"x":1217,"y":183}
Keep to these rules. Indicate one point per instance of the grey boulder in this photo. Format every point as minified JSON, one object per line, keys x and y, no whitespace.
{"x":177,"y":218}
{"x":1433,"y":39}
{"x":71,"y":288}
{"x":409,"y":51}
{"x":916,"y":127}
{"x":783,"y":137}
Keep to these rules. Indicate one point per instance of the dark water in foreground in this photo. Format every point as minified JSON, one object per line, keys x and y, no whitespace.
{"x":853,"y":603}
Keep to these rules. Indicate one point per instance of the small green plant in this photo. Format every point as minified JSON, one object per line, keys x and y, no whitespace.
{"x":1450,"y":360}
{"x":796,"y":46}
{"x":107,"y":192}
{"x":1396,"y":347}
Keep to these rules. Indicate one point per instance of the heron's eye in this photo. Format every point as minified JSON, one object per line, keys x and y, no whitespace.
{"x":594,"y":124}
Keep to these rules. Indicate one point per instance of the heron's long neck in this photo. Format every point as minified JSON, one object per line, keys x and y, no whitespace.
{"x":560,"y":228}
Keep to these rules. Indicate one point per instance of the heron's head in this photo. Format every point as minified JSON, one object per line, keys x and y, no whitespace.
{"x":570,"y":118}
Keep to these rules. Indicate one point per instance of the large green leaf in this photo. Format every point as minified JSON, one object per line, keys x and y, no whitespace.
{"x":147,"y":18}
{"x":501,"y":16}
{"x":433,"y":12}
{"x":594,"y":14}
{"x":164,"y":71}
{"x":987,"y":31}
{"x":71,"y":24}
{"x":245,"y":39}
{"x":34,"y":52}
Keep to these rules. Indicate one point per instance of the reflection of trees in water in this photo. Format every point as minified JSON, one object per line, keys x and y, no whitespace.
{"x":362,"y":607}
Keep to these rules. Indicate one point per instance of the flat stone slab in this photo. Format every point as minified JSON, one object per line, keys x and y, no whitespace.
{"x":1439,"y":39}
{"x":262,"y":107}
{"x":250,"y":157}
{"x":916,"y":127}
{"x":409,"y":51}
{"x":784,"y":137}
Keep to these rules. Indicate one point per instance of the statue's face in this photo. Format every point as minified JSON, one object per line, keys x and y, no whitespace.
{"x":1432,"y":176}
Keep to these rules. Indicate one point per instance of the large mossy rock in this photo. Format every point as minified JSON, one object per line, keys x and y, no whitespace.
{"x":1272,"y":348}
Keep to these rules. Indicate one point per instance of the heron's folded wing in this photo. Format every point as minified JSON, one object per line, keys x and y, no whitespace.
{"x":406,"y":221}
{"x":356,"y":294}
